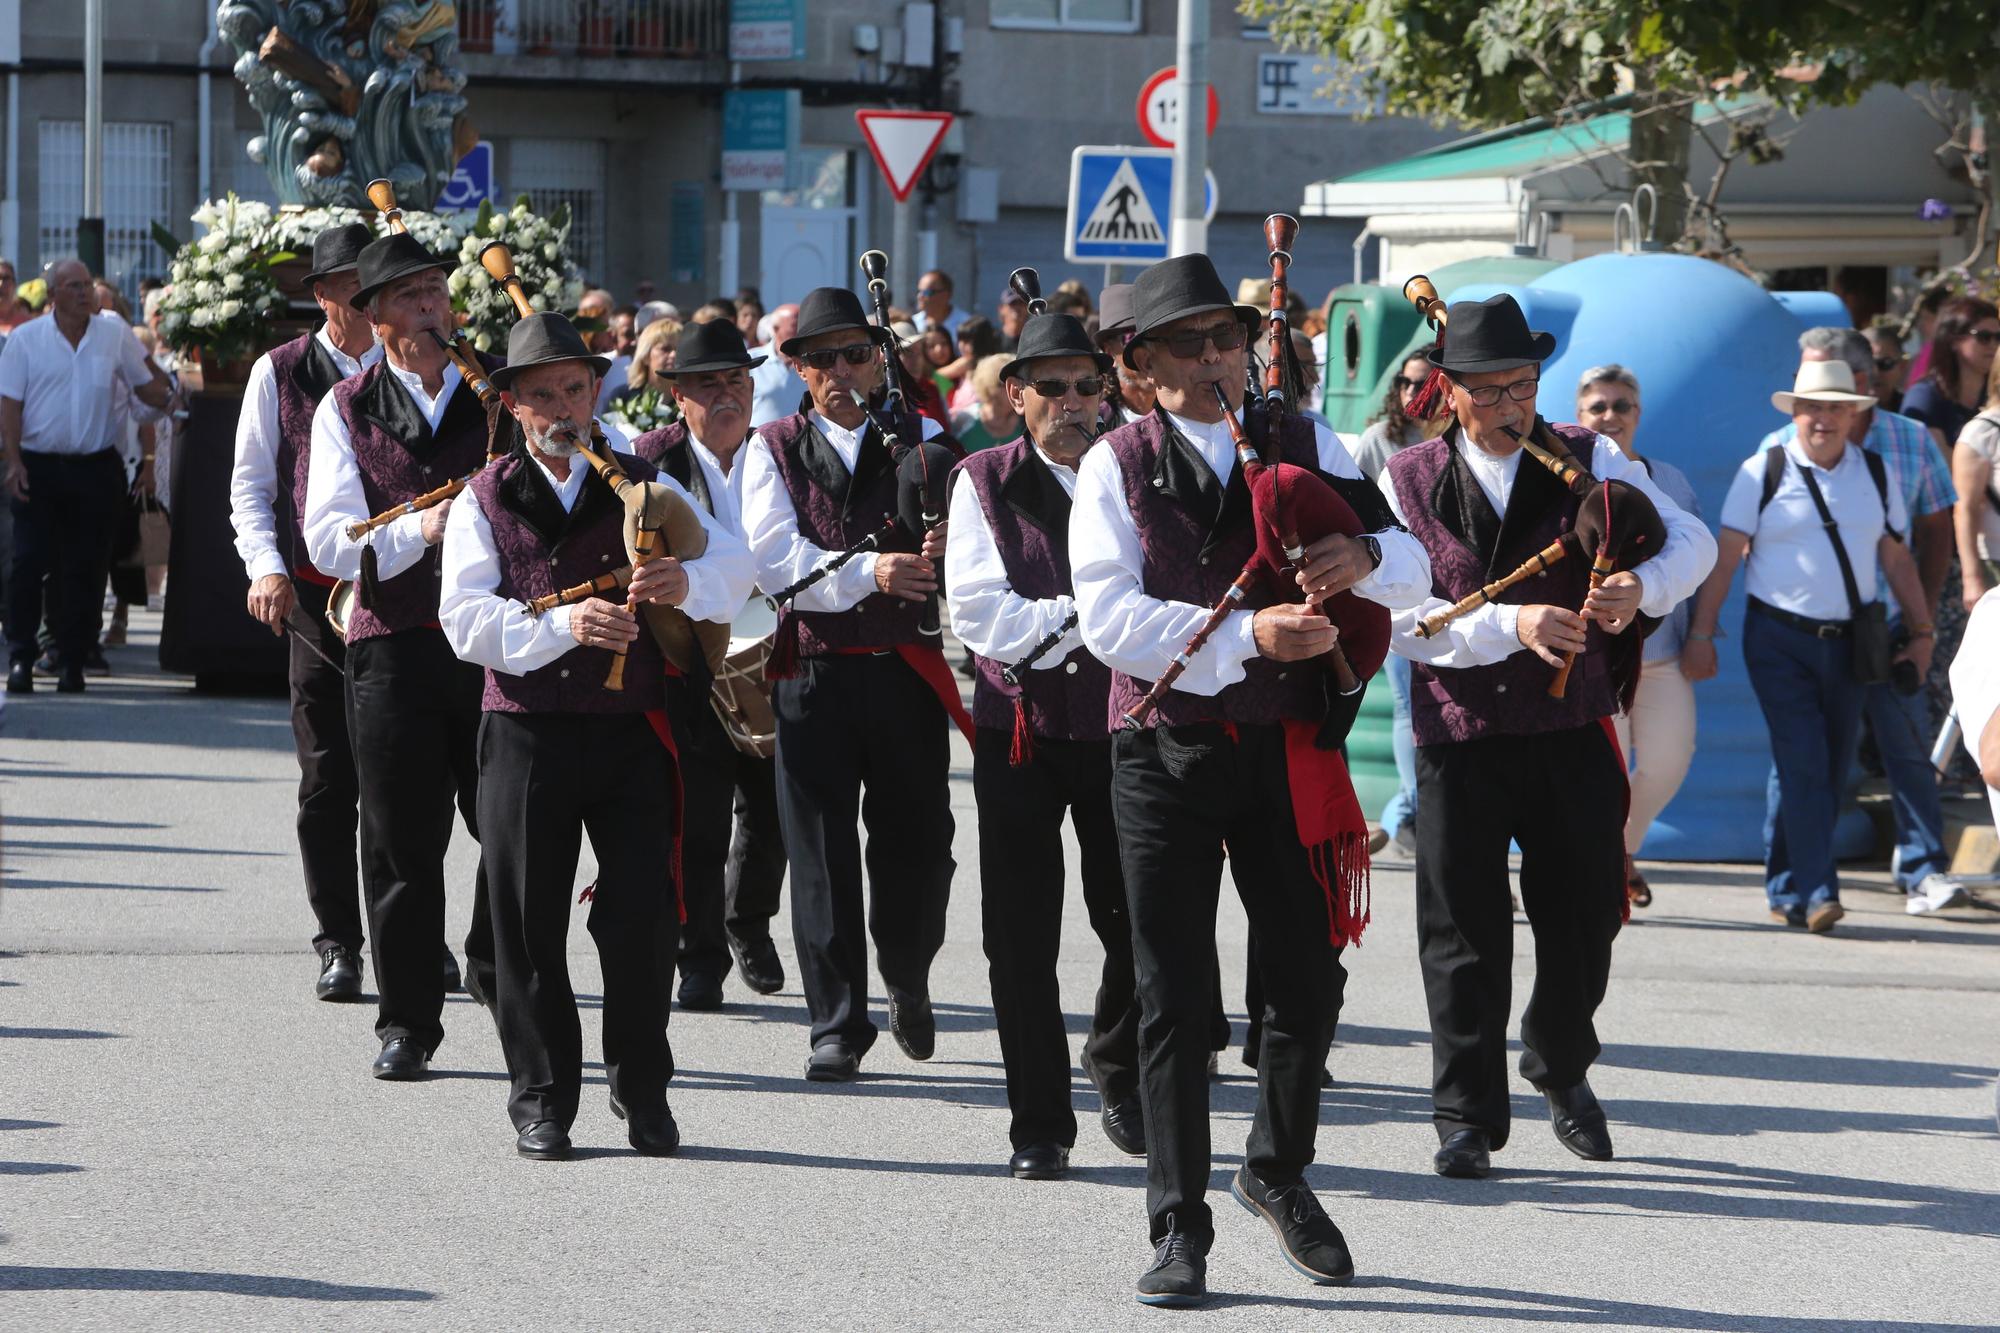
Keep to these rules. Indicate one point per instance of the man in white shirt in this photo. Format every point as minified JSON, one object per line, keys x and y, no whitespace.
{"x":776,"y":382}
{"x":1807,"y":596}
{"x":1501,"y":755}
{"x":1239,"y":753}
{"x":731,"y":887}
{"x":1041,"y":704}
{"x":401,"y":428}
{"x":934,"y":293}
{"x":563,"y":753}
{"x":267,"y":489}
{"x":63,"y":380}
{"x":869,"y":697}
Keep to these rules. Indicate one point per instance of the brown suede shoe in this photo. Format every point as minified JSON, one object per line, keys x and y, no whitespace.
{"x":1820,"y":920}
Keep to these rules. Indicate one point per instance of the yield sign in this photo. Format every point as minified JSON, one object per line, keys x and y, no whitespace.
{"x":903,"y":143}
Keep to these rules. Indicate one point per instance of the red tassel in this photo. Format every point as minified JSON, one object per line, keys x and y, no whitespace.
{"x":1429,"y":400}
{"x":1342,"y":869}
{"x":1022,"y":752}
{"x":589,"y":892}
{"x":783,"y":663}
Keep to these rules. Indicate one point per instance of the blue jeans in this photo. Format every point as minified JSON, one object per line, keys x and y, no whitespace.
{"x":1402,"y":807}
{"x":1812,"y":707}
{"x":1901,"y":724}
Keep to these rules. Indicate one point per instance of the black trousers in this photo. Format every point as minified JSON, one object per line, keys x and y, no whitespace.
{"x":1179,"y":794}
{"x":545,"y":780}
{"x":62,"y":536}
{"x":1561,"y":796}
{"x":862,"y":744}
{"x":731,"y":884}
{"x":1021,"y":879}
{"x":329,"y":791}
{"x":413,"y":714}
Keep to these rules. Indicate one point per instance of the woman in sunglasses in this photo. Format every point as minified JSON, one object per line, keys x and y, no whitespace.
{"x":1962,"y":352}
{"x":1394,"y":428}
{"x":1657,"y":734}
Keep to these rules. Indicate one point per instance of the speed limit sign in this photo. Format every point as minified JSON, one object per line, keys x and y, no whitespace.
{"x":1160,"y":109}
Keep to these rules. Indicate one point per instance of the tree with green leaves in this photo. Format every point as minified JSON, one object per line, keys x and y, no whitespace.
{"x":1482,"y":64}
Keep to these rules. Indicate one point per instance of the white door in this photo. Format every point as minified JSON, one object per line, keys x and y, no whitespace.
{"x":803,"y":248}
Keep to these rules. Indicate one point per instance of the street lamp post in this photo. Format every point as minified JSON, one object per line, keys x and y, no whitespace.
{"x":90,"y":227}
{"x":1190,"y":222}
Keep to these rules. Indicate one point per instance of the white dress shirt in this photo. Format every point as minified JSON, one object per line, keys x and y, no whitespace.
{"x":771,"y":526}
{"x":1491,"y":633}
{"x":253,"y":480}
{"x":725,"y":489}
{"x":334,"y":497}
{"x":494,"y":631}
{"x":1792,"y":564}
{"x":987,"y":615}
{"x":71,"y":396}
{"x":1138,"y":634}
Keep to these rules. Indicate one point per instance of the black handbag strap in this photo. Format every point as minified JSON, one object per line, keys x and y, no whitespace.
{"x":1854,"y":603}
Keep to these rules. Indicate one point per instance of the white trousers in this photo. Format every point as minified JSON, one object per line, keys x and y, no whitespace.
{"x":1658,"y":739}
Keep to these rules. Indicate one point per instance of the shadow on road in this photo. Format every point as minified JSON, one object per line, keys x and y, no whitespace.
{"x":31,"y":1277}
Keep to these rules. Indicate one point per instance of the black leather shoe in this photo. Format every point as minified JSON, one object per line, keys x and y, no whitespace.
{"x":403,"y":1060}
{"x":700,"y":992}
{"x":20,"y":678}
{"x":543,"y":1141}
{"x":1040,"y":1161}
{"x":913,"y":1025}
{"x":1579,"y":1122}
{"x":70,"y":681}
{"x":1125,"y":1126}
{"x":1178,"y":1278}
{"x":453,"y":982}
{"x":1307,"y":1237}
{"x":339,"y":975}
{"x":1464,"y":1155}
{"x":652,"y":1133}
{"x":832,"y":1062}
{"x":94,"y":663}
{"x":758,"y":963}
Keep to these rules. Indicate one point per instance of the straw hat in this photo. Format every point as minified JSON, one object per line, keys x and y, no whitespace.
{"x":1821,"y":382}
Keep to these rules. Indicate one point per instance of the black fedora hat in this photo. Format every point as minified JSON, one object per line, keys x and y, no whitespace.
{"x":830,"y":310}
{"x":338,"y":249}
{"x":714,"y":344}
{"x":383,"y":261}
{"x":1114,"y":309}
{"x":1489,"y":335}
{"x":1176,"y":288}
{"x":1053,"y":335}
{"x":543,"y":340}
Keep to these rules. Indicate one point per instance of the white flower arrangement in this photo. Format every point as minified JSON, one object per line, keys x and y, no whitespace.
{"x":295,"y":229}
{"x":221,"y":295}
{"x":648,"y":409}
{"x":541,"y":257}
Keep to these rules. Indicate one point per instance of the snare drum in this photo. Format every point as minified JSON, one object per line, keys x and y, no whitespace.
{"x":340,"y":606}
{"x":741,"y":699}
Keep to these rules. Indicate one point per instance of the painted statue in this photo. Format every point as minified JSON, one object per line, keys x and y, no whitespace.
{"x":351,"y":91}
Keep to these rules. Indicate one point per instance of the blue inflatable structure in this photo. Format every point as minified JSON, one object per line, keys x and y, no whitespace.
{"x":1709,"y":347}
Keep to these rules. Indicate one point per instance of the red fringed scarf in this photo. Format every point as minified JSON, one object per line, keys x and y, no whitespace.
{"x":1331,"y":829}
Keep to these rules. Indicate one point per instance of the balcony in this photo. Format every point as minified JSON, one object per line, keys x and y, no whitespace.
{"x":592,"y":30}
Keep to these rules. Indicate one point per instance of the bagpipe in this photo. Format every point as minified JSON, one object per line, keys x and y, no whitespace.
{"x":923,"y":467}
{"x":1290,"y":507}
{"x":1617,"y":526}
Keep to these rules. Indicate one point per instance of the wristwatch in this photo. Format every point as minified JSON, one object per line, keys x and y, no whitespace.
{"x":1374,"y":551}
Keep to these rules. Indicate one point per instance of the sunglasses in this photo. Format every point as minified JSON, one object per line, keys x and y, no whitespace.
{"x":854,"y":354}
{"x":1488,"y":395}
{"x":1985,"y":337}
{"x":1620,"y":405}
{"x":1405,"y":382}
{"x":933,"y":291}
{"x":1187,"y":345}
{"x":1888,"y":362}
{"x":1089,"y":386}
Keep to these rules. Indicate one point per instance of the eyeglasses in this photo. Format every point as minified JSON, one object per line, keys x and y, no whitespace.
{"x":854,"y":354}
{"x":1488,"y":395}
{"x":1405,"y":382}
{"x":1089,"y":386}
{"x":1598,"y":408}
{"x":1888,"y":362}
{"x":1986,"y":337}
{"x":1187,"y":344}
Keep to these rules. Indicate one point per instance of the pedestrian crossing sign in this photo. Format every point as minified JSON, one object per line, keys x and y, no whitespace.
{"x":1120,"y":205}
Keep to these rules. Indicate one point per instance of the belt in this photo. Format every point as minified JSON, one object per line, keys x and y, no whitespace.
{"x":1819,"y":629}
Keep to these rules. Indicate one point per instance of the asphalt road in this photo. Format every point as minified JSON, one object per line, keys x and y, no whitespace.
{"x":189,"y":1140}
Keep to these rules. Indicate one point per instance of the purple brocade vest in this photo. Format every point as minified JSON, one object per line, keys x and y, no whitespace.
{"x":667,"y":449}
{"x":544,"y":550}
{"x":835,"y":510}
{"x":400,"y":457}
{"x":1028,"y":511}
{"x":1194,"y":539}
{"x":302,"y":373}
{"x":1470,"y":548}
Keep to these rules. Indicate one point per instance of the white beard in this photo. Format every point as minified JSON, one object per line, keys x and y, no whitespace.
{"x":558,"y":443}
